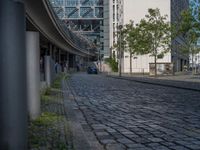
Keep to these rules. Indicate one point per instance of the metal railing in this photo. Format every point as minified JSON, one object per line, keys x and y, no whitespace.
{"x":77,"y":40}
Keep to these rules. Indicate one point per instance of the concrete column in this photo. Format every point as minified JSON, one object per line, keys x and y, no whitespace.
{"x":13,"y":105}
{"x":33,"y":73}
{"x":48,"y":77}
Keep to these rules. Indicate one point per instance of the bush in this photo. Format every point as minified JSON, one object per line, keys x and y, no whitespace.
{"x":112,"y":63}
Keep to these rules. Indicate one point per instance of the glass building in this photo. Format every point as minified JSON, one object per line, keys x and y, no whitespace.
{"x":84,"y":17}
{"x":195,"y":6}
{"x":178,"y":58}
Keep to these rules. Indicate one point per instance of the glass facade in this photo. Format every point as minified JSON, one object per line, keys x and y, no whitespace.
{"x":176,"y":7}
{"x":82,"y":16}
{"x":195,"y":6}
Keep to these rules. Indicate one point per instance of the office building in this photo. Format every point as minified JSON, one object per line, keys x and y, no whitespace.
{"x":84,"y":17}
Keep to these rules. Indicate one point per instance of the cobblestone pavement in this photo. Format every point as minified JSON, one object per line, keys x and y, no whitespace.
{"x":136,"y":116}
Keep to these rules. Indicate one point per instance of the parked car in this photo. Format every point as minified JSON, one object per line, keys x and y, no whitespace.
{"x":92,"y":70}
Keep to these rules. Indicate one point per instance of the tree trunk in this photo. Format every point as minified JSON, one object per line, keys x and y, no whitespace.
{"x":192,"y":63}
{"x":131,"y":63}
{"x":155,"y":61}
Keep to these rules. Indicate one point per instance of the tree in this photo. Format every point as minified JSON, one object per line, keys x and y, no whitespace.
{"x":188,"y":30}
{"x":156,"y":35}
{"x":133,"y":37}
{"x":120,"y":45}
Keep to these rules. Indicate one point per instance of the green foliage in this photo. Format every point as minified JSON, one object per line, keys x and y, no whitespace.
{"x":46,"y":119}
{"x":47,"y":91}
{"x":44,"y":133}
{"x":131,"y":37}
{"x":112,"y":63}
{"x":188,"y":29}
{"x":57,"y":81}
{"x":156,"y":32}
{"x":48,"y":131}
{"x":155,"y":35}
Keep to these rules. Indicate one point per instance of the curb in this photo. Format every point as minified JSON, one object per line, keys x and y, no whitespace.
{"x":164,"y":82}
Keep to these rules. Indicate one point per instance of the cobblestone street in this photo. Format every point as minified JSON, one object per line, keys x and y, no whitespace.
{"x":135,"y":116}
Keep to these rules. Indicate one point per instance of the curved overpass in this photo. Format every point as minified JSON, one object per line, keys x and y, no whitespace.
{"x":41,"y":15}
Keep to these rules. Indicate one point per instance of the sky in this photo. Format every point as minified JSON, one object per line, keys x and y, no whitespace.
{"x":140,"y":8}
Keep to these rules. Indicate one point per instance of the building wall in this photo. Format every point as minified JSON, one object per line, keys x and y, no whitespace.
{"x":106,"y":27}
{"x":178,"y":58}
{"x":195,"y":5}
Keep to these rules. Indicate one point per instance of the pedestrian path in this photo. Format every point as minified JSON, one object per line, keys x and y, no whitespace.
{"x":189,"y":82}
{"x":51,"y":131}
{"x":82,"y":140}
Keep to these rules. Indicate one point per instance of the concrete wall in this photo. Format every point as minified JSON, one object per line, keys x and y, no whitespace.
{"x":140,"y":63}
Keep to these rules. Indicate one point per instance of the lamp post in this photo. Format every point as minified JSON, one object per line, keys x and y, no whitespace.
{"x":120,"y":50}
{"x":99,"y":60}
{"x":88,"y":58}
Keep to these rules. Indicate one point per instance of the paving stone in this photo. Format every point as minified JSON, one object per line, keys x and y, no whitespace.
{"x":155,"y":139}
{"x":161,"y":147}
{"x":178,"y":147}
{"x":133,"y":112}
{"x":101,"y":133}
{"x":125,"y":141}
{"x":115,"y":147}
{"x":135,"y":145}
{"x":107,"y":141}
{"x":193,"y":146}
{"x":140,"y":148}
{"x":196,"y":142}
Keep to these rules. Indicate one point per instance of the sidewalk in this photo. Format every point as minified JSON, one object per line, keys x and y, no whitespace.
{"x":83,"y":138}
{"x":184,"y":81}
{"x":51,"y":130}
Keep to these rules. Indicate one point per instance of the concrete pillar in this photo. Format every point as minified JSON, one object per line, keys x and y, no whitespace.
{"x":33,"y":73}
{"x":47,"y":63}
{"x":13,"y":105}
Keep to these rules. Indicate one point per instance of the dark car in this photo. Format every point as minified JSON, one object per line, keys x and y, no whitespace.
{"x":92,"y":70}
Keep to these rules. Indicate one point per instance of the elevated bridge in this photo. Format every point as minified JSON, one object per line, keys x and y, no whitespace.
{"x":34,"y":46}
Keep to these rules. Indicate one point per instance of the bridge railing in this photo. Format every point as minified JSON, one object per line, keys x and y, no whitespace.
{"x":77,"y":40}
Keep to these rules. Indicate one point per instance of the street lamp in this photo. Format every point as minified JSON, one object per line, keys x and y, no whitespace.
{"x":88,"y":58}
{"x":120,"y":50}
{"x":99,"y":59}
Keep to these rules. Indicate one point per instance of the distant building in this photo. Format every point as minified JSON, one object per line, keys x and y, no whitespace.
{"x":195,"y":5}
{"x":99,"y":20}
{"x":136,"y":10}
{"x":84,"y":17}
{"x":178,"y":58}
{"x":116,"y":19}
